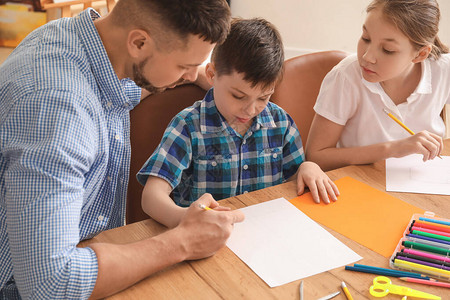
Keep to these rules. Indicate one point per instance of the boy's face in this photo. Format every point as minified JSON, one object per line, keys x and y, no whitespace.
{"x":236,"y":99}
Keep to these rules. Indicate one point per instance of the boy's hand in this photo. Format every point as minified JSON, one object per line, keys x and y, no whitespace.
{"x":317,"y":181}
{"x":205,"y":231}
{"x":426,"y":143}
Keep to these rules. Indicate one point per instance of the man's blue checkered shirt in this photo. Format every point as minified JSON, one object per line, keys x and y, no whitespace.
{"x":200,"y":153}
{"x":64,"y":158}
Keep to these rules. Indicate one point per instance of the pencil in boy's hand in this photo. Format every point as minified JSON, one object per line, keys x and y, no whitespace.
{"x":401,"y":123}
{"x":203,"y":206}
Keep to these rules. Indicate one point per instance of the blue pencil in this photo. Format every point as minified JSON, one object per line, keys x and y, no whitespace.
{"x":388,"y":270}
{"x":434,"y":221}
{"x":385,"y":272}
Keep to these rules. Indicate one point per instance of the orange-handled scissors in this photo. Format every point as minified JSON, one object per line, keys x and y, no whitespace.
{"x":383,"y":286}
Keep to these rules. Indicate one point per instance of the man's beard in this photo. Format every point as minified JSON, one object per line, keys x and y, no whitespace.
{"x":142,"y":82}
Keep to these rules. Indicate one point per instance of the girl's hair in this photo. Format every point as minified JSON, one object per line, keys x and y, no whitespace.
{"x":417,"y":19}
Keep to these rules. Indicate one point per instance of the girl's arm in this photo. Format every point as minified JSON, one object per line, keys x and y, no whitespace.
{"x":156,"y":202}
{"x":324,"y":135}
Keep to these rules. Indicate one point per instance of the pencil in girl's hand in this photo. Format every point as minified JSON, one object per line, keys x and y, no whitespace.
{"x":401,"y":123}
{"x":398,"y":121}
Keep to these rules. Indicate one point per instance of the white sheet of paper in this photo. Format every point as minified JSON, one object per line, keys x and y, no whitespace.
{"x":281,"y":244}
{"x":410,"y":174}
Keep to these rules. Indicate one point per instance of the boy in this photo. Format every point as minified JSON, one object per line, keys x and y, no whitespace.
{"x":233,"y":141}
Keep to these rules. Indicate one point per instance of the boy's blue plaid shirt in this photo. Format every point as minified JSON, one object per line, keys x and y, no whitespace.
{"x":200,"y":153}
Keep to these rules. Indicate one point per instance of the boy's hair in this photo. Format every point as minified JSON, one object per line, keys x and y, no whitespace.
{"x":253,"y":48}
{"x":169,"y":21}
{"x":417,"y":19}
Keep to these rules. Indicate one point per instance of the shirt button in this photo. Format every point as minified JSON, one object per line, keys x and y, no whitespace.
{"x":275,"y":155}
{"x":213,"y":164}
{"x":100,"y":218}
{"x":117,"y":137}
{"x":109,"y":178}
{"x":244,"y":142}
{"x":109,"y":104}
{"x":250,"y":133}
{"x":126,"y":104}
{"x":245,"y":192}
{"x":245,"y":167}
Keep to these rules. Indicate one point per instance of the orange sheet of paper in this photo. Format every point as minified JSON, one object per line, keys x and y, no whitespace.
{"x":362,"y":213}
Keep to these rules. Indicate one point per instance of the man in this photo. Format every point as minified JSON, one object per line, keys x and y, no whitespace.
{"x":65,"y":97}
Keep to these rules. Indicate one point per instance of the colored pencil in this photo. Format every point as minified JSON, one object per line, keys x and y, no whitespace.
{"x":421,"y":268}
{"x":441,"y":233}
{"x":443,"y":239}
{"x":421,"y":262}
{"x":427,"y":259}
{"x":426,"y":254}
{"x":429,"y":225}
{"x":385,"y":272}
{"x":434,"y":221}
{"x":421,"y":246}
{"x":426,"y":282}
{"x":427,"y":240}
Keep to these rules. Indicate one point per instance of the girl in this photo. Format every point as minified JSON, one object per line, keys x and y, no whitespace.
{"x":401,"y":67}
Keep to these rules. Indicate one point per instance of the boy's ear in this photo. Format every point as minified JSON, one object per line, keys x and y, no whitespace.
{"x":139,"y":43}
{"x":423,"y":54}
{"x":210,"y":72}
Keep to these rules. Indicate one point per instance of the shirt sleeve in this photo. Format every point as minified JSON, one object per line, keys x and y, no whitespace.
{"x":337,"y":101}
{"x":172,"y":156}
{"x":293,"y":154}
{"x":50,"y":146}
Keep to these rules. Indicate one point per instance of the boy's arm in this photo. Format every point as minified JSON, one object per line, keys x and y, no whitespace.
{"x":320,"y":185}
{"x":156,"y":202}
{"x":324,"y":135}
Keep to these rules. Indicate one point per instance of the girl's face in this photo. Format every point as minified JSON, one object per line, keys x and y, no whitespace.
{"x":384,"y":52}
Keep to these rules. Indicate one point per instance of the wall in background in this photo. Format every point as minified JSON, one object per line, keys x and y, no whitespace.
{"x":320,"y":24}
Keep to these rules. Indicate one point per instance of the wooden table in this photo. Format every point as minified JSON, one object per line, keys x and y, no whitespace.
{"x":225,"y":276}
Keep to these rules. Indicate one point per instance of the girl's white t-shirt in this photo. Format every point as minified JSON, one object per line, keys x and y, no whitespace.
{"x":346,"y":98}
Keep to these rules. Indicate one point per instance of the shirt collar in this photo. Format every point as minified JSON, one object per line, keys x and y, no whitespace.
{"x":212,"y":121}
{"x":424,"y":86}
{"x":112,"y":88}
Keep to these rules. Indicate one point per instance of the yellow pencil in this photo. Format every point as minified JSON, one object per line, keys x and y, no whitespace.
{"x":346,"y":291}
{"x":203,"y":206}
{"x":398,"y":121}
{"x":401,"y":124}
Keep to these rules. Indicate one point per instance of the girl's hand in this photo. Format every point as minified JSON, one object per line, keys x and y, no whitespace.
{"x":317,"y":181}
{"x":426,"y":143}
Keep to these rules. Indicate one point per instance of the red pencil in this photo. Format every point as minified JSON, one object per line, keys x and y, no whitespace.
{"x":427,"y":282}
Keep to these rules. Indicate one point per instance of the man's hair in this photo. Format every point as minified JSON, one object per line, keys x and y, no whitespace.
{"x":166,"y":20}
{"x":253,"y":48}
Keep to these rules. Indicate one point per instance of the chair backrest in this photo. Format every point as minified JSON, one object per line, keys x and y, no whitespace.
{"x":297,"y":91}
{"x":148,"y":122}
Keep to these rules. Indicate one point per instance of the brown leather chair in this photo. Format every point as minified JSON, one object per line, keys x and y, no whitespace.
{"x":149,"y":120}
{"x":298,"y":90}
{"x":296,"y":93}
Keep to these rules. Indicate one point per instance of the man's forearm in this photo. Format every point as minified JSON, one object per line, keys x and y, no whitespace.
{"x":120,"y":266}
